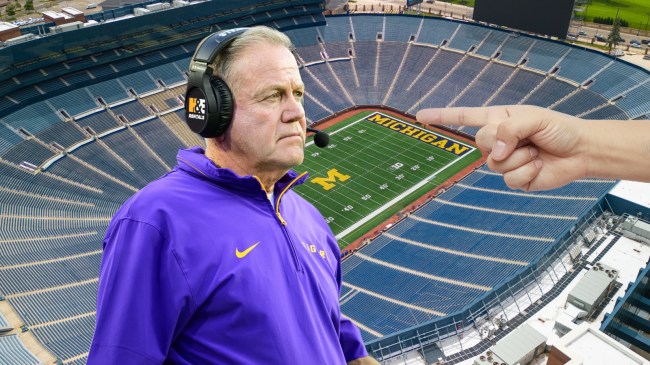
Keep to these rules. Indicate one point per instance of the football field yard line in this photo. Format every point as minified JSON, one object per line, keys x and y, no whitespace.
{"x":408,"y":180}
{"x":371,"y":143}
{"x":386,"y":136}
{"x":353,"y":189}
{"x":370,"y":174}
{"x":386,"y":170}
{"x":396,"y":199}
{"x":343,"y":190}
{"x":392,"y":143}
{"x":338,"y":130}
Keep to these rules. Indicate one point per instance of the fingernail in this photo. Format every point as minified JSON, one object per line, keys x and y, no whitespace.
{"x":533,"y":152}
{"x":499,"y":150}
{"x":538,"y":163}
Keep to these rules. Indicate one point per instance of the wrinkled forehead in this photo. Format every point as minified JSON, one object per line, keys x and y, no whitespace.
{"x":264,"y":63}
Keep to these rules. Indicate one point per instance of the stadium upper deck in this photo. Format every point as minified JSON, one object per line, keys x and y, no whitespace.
{"x":120,"y":35}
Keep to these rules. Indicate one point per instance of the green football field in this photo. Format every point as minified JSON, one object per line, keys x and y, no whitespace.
{"x":375,"y":165}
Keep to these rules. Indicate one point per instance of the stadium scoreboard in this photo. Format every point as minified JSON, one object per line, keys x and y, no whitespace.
{"x":548,"y":17}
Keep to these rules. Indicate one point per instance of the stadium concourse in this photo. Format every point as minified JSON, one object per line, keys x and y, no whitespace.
{"x":88,"y":120}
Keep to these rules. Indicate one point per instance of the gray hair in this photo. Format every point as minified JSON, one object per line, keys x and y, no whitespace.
{"x":224,"y":61}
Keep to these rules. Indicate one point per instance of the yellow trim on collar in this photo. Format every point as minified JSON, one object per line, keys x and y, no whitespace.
{"x":261,"y":183}
{"x":192,"y":166}
{"x":286,"y":188}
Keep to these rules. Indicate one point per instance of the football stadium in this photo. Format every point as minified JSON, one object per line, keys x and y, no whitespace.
{"x":441,"y":261}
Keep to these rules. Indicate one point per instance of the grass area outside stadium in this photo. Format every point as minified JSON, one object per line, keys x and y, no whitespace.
{"x":635,"y":12}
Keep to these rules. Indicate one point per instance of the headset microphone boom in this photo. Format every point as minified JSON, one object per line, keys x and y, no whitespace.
{"x":321,"y":139}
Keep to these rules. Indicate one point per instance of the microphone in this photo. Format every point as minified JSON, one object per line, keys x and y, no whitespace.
{"x":321,"y":139}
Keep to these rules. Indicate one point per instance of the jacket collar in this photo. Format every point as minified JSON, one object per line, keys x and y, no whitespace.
{"x":196,"y":163}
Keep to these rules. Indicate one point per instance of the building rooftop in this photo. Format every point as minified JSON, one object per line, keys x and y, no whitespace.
{"x":72,"y":11}
{"x":54,"y":14}
{"x":588,"y":345}
{"x":6,"y":26}
{"x":593,"y":284}
{"x":637,"y":192}
{"x":643,"y":225}
{"x":518,"y":344}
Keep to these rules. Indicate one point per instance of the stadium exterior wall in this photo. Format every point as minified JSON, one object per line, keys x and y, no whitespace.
{"x":619,"y":206}
{"x":626,"y":320}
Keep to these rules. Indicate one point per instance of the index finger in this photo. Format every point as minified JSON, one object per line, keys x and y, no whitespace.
{"x":471,"y":117}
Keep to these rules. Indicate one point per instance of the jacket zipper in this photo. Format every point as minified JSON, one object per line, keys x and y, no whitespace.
{"x":283,"y":223}
{"x":293,"y":248}
{"x":283,"y":226}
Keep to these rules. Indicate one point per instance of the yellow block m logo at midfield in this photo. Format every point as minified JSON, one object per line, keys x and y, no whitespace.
{"x":330,"y":181}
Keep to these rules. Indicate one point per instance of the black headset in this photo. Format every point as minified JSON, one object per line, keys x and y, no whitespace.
{"x":208,"y":99}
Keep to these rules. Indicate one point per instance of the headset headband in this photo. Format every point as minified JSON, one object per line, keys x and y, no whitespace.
{"x":210,"y":46}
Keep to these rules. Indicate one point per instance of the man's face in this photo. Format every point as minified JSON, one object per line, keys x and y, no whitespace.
{"x":267,"y":134}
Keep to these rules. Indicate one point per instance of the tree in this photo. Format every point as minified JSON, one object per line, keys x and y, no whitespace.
{"x":614,"y":36}
{"x":17,"y":5}
{"x":29,"y":5}
{"x":11,"y":11}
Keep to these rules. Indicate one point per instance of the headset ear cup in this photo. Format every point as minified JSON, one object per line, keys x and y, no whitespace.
{"x":225,"y":106}
{"x":209,"y":104}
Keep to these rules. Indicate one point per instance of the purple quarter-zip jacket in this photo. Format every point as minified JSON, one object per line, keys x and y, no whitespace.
{"x":199,"y":267}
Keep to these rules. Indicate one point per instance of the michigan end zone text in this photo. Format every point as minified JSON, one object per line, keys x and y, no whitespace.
{"x":422,"y":135}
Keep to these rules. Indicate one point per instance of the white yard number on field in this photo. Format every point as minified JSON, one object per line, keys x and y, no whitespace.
{"x":347,"y":208}
{"x":383,"y":186}
{"x":415,"y":167}
{"x":331,"y":146}
{"x":366,"y":197}
{"x":315,"y":154}
{"x":430,"y":158}
{"x":396,"y":166}
{"x":399,"y":177}
{"x":347,"y":138}
{"x":362,"y":131}
{"x":329,"y":219}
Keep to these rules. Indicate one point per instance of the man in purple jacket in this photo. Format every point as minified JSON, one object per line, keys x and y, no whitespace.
{"x":219,"y":261}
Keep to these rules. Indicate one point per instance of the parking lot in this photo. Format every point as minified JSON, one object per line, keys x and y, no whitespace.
{"x":26,"y":19}
{"x":634,"y":41}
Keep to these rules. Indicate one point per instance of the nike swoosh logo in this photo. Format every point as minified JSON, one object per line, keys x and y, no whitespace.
{"x":241,"y":255}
